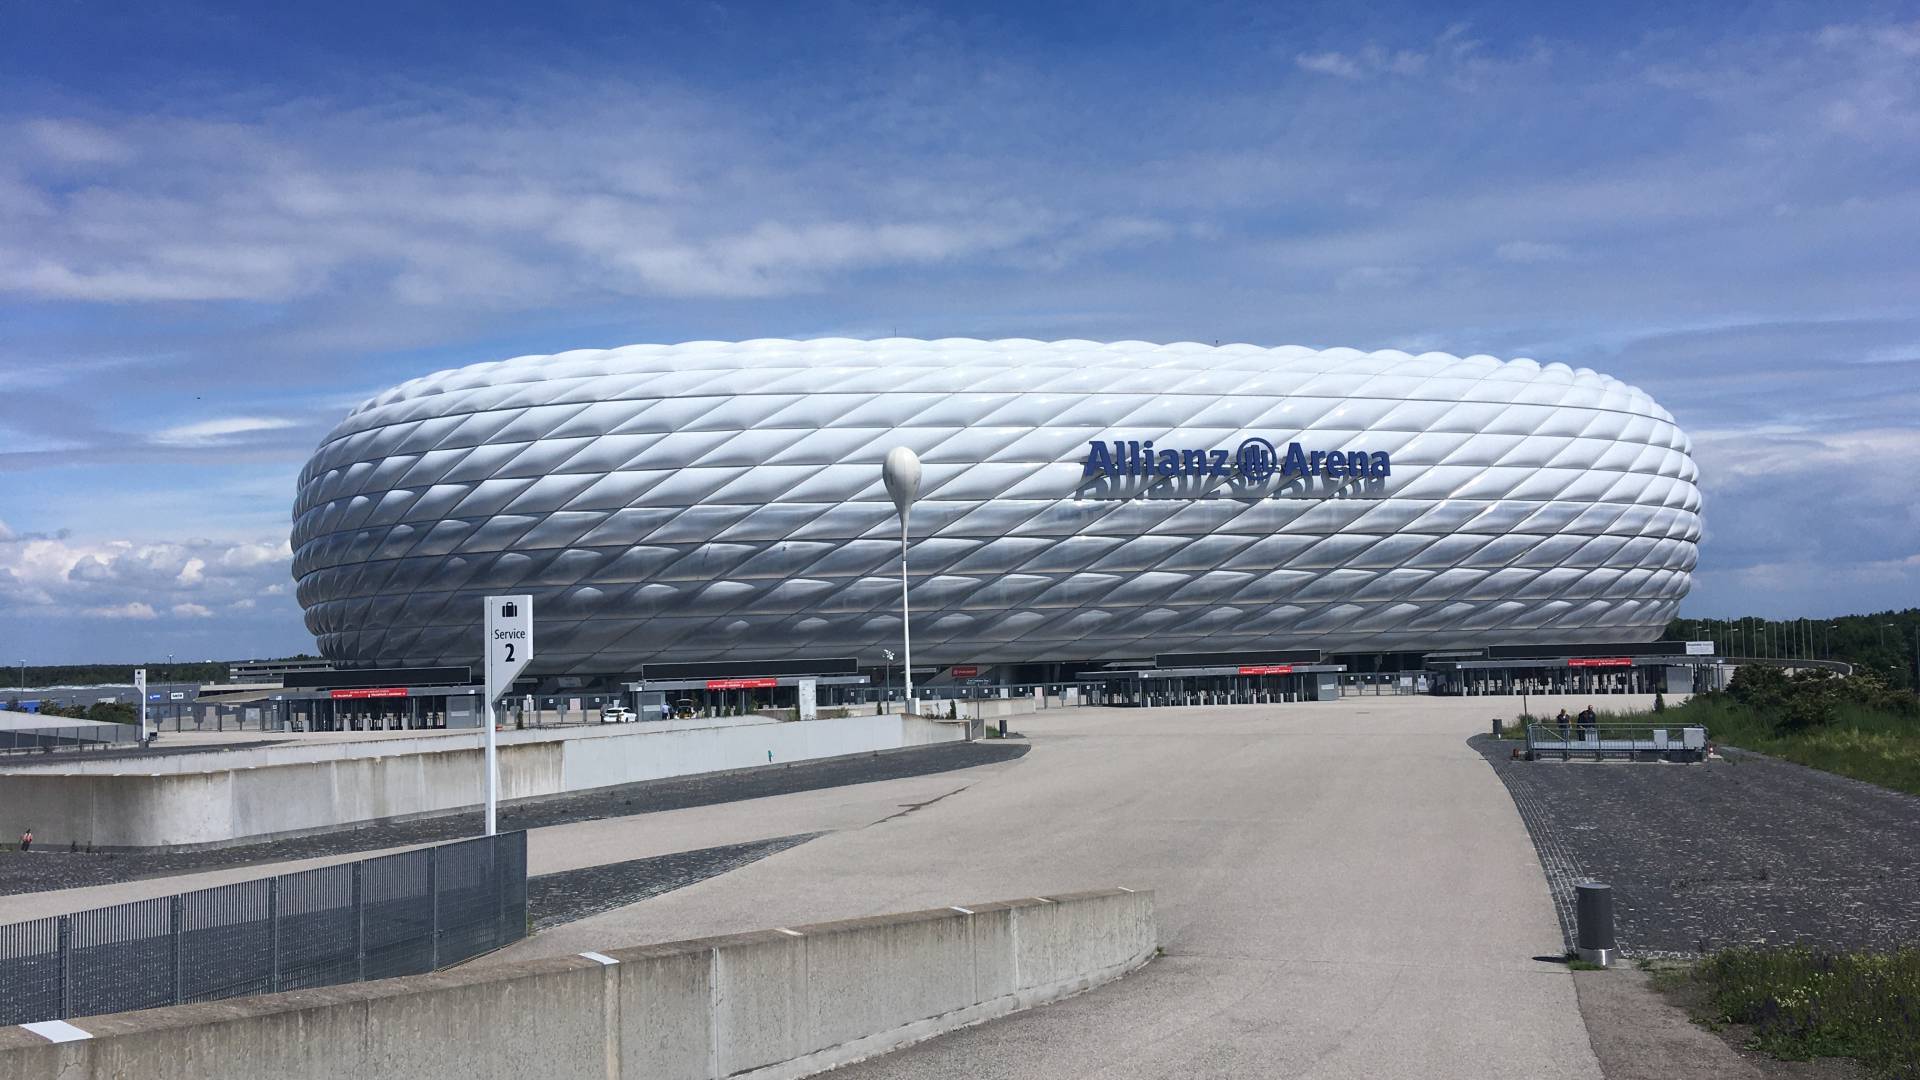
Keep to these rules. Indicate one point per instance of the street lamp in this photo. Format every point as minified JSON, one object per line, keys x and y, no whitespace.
{"x":901,"y":471}
{"x":889,"y":654}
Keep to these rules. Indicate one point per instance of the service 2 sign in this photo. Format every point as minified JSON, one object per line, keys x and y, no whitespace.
{"x":509,"y":630}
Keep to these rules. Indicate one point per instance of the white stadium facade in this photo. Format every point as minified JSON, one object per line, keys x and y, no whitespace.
{"x":1082,"y":503}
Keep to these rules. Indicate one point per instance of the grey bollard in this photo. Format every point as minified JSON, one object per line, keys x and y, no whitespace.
{"x":1593,"y":922}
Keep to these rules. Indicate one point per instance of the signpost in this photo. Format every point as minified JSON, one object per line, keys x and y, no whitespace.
{"x":140,"y":688}
{"x":508,"y":646}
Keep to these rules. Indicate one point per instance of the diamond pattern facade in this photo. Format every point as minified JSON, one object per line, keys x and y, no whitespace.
{"x":716,"y":500}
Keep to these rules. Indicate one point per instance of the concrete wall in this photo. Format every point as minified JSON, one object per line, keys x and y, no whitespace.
{"x":773,"y":1004}
{"x":301,"y":788}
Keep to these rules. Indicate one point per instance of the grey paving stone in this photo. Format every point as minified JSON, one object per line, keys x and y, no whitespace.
{"x":1749,"y":851}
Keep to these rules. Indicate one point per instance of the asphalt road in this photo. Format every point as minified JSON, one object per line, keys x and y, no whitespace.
{"x":1344,"y":890}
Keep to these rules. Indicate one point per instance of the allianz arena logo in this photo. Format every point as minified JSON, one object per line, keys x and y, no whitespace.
{"x":1127,"y":468}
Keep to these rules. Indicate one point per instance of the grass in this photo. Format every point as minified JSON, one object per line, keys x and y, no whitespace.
{"x":1806,"y":1003}
{"x":1859,"y":742}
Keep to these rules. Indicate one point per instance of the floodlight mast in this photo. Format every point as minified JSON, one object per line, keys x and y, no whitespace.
{"x":901,"y":471}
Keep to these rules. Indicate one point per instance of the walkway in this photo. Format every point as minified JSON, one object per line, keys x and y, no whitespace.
{"x":1345,"y":890}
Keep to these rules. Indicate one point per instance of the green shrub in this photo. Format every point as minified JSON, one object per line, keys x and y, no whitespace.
{"x":1805,"y":1003}
{"x":1855,"y":726}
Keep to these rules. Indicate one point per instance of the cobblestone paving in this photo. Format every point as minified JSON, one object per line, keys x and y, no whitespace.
{"x":44,"y":869}
{"x":553,"y":899}
{"x":1749,"y":851}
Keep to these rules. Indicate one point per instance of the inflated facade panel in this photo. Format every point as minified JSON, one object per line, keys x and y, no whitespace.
{"x":716,"y":500}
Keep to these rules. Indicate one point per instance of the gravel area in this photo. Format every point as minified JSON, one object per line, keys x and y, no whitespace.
{"x":1747,"y":851}
{"x":553,"y":899}
{"x":45,"y":869}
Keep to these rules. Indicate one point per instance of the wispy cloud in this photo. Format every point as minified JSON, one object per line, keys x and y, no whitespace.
{"x":208,"y":432}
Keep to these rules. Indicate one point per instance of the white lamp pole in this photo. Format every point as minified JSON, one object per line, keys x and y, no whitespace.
{"x":902,"y":475}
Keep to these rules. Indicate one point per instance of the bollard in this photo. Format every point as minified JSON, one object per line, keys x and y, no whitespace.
{"x":1003,"y":727}
{"x":1496,"y":727}
{"x":1593,"y":922}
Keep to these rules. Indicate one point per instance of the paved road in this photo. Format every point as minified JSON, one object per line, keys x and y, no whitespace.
{"x":1344,"y":890}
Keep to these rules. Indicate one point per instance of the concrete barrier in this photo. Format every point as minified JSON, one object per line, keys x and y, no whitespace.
{"x":216,"y":798}
{"x":771,"y":1005}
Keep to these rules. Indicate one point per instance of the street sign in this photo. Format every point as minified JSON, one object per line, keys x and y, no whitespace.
{"x":509,"y":642}
{"x":508,"y":629}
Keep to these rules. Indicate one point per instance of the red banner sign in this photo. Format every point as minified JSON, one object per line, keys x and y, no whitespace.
{"x":382,"y":691}
{"x":966,"y":671}
{"x":1600,"y":661}
{"x":741,"y":684}
{"x":1267,"y":669}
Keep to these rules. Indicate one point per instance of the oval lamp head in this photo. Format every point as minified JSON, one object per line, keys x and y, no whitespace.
{"x":902,"y":474}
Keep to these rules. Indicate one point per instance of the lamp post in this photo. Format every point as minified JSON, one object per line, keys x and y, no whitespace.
{"x":901,"y":471}
{"x":889,"y":654}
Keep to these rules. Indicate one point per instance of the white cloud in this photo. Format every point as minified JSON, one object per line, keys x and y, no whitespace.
{"x":59,"y":576}
{"x":129,"y":610}
{"x":77,"y":143}
{"x":1329,"y":63}
{"x":208,"y":432}
{"x":1528,"y":251}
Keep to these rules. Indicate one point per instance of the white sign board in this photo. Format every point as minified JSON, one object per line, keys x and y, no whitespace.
{"x":509,"y":641}
{"x":1699,"y":648}
{"x":508,"y":629}
{"x":809,"y":700}
{"x":140,"y":686}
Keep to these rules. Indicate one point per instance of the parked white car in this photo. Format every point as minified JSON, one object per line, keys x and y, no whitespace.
{"x":617,"y":714}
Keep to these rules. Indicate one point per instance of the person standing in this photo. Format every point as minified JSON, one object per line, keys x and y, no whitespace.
{"x":1589,"y":723}
{"x":1565,"y":724}
{"x":26,"y":839}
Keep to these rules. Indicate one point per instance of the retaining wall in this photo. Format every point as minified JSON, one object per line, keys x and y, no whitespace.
{"x":286,"y":791}
{"x":765,"y":1006}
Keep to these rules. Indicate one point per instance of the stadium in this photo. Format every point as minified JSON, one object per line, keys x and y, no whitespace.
{"x":1083,"y":503}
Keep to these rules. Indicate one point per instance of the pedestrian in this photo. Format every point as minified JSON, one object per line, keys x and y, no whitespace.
{"x":26,"y":839}
{"x":1565,"y":722}
{"x":1589,"y":726}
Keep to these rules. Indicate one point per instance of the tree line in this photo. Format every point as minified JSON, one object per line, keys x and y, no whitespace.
{"x":1882,"y":643}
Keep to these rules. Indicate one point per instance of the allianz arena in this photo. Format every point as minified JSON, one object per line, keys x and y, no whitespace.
{"x":1082,"y":501}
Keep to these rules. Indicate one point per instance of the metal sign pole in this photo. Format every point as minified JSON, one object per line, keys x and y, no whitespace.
{"x":140,"y":690}
{"x":508,"y":645}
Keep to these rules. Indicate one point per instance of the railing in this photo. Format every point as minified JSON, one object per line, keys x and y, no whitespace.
{"x":81,"y":736}
{"x":402,"y":914}
{"x":1576,"y":740}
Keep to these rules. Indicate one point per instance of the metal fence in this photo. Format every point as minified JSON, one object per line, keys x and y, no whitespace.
{"x":1648,"y":742}
{"x":83,"y":736}
{"x":373,"y":919}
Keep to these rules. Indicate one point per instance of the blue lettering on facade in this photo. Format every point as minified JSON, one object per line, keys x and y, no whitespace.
{"x":1255,"y":461}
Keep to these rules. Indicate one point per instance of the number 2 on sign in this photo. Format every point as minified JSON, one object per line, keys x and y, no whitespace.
{"x":509,"y":652}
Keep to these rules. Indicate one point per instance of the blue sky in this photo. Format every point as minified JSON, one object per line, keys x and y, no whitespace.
{"x":221,"y":227}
